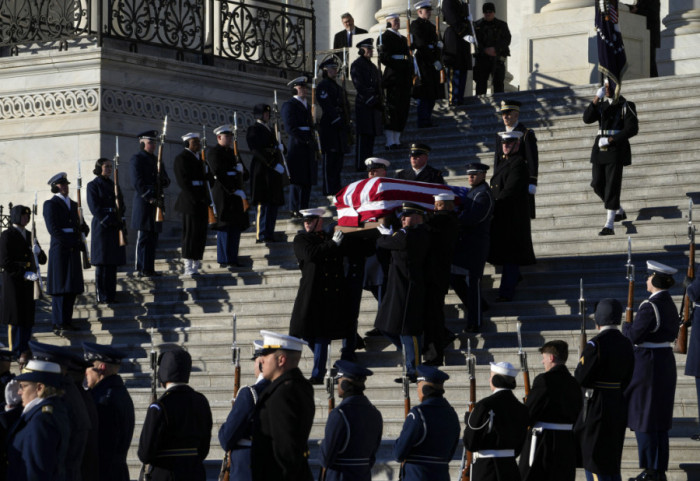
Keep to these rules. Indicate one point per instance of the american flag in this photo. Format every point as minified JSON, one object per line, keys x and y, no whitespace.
{"x":612,"y":59}
{"x":369,"y":199}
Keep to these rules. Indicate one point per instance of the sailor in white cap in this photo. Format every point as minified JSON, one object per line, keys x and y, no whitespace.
{"x":652,"y":389}
{"x":284,"y":413}
{"x":496,"y":428}
{"x":376,"y":167}
{"x":193,"y":201}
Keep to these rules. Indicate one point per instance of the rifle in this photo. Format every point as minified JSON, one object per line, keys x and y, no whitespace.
{"x":118,"y":207}
{"x":471,"y":24}
{"x":329,"y":381}
{"x":278,"y":134}
{"x":211,"y":209}
{"x":682,"y":341}
{"x":416,"y":70}
{"x":381,"y":89}
{"x":471,"y":370}
{"x":523,"y":364}
{"x":225,"y":471}
{"x":405,"y":385}
{"x":160,"y":195}
{"x":346,"y":104}
{"x":86,"y":252}
{"x":437,"y":32}
{"x":244,"y":201}
{"x":630,"y":280}
{"x":319,"y":151}
{"x":39,"y":283}
{"x":154,"y":368}
{"x":582,"y":311}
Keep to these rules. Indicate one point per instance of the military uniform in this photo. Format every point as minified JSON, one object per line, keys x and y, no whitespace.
{"x":428,"y":174}
{"x":396,"y":82}
{"x":281,"y":426}
{"x":425,"y":43}
{"x":368,"y":108}
{"x":528,"y":149}
{"x":457,"y":51}
{"x":105,"y":253}
{"x":301,"y":157}
{"x":692,"y":361}
{"x":554,"y":403}
{"x":235,"y":435}
{"x":192,"y":203}
{"x":491,"y":34}
{"x":333,"y":132}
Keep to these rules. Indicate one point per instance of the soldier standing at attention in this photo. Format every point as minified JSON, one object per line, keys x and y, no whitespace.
{"x":427,"y":50}
{"x":353,"y":430}
{"x":457,"y":52}
{"x":368,"y":102}
{"x":493,"y":38}
{"x":420,"y":171}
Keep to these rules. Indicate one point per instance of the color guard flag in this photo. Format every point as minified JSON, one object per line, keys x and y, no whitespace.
{"x":612,"y":59}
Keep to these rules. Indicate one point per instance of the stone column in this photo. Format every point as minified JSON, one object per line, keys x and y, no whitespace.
{"x":555,"y":5}
{"x":680,"y":40}
{"x":363,"y":11}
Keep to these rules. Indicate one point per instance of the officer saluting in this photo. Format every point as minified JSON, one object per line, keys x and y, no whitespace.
{"x":430,"y":432}
{"x":353,"y":429}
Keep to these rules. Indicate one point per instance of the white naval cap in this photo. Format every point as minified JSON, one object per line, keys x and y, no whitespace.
{"x":273,"y":341}
{"x":257,"y":349}
{"x":392,"y":15}
{"x":423,"y":4}
{"x":224,"y":129}
{"x":658,"y":267}
{"x":190,"y":135}
{"x":311,"y":213}
{"x":444,"y":196}
{"x":513,"y":134}
{"x":504,"y":368}
{"x":377,"y":163}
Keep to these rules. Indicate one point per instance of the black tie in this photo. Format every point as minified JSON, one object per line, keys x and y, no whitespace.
{"x":349,"y":39}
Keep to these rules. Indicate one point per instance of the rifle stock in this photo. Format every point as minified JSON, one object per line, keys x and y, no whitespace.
{"x":244,"y":201}
{"x":319,"y":150}
{"x":329,"y":381}
{"x":582,"y":311}
{"x":437,"y":32}
{"x":160,"y":195}
{"x":225,"y":471}
{"x":405,"y":385}
{"x":278,"y":134}
{"x":471,"y":369}
{"x":630,"y":282}
{"x":681,"y":344}
{"x":39,"y":283}
{"x":85,"y":254}
{"x":118,"y":207}
{"x":416,"y":70}
{"x":211,"y":208}
{"x":523,"y":364}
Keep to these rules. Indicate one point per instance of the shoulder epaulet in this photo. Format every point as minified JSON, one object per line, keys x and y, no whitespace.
{"x":47,"y":409}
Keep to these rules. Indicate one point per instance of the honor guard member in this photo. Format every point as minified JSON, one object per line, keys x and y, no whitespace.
{"x":510,"y":113}
{"x":554,"y":403}
{"x":105,"y":252}
{"x":368,"y":102}
{"x":192,"y":202}
{"x":496,"y":428}
{"x":115,"y":410}
{"x":321,"y":290}
{"x":617,"y":123}
{"x":493,"y":38}
{"x":353,"y":429}
{"x":604,"y":371}
{"x":400,"y":315}
{"x":396,"y":80}
{"x":651,"y":392}
{"x":420,"y":171}
{"x":176,"y":433}
{"x":65,"y":274}
{"x":427,"y":50}
{"x":692,"y":361}
{"x":267,"y":173}
{"x":334,"y":126}
{"x":235,"y":435}
{"x":301,"y":148}
{"x":229,"y":197}
{"x":37,"y":444}
{"x":430,"y":433}
{"x":284,"y":414}
{"x":511,"y":239}
{"x":5,"y":374}
{"x":473,"y":242}
{"x":457,"y":53}
{"x":344,"y":37}
{"x":144,"y":175}
{"x":18,"y":278}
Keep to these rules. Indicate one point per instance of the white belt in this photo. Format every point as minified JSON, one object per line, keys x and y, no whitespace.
{"x":554,"y":426}
{"x":231,"y":172}
{"x":244,"y":443}
{"x":609,"y":132}
{"x":197,"y":182}
{"x":304,"y":128}
{"x":68,"y":229}
{"x":494,"y":453}
{"x":399,"y":57}
{"x":655,"y":345}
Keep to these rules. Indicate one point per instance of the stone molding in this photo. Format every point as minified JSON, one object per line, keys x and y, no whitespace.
{"x":44,"y":104}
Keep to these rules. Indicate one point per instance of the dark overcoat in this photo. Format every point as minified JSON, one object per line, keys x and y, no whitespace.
{"x":281,"y":426}
{"x":396,"y":79}
{"x":509,"y":429}
{"x":179,"y":421}
{"x":429,"y":174}
{"x":428,"y":440}
{"x":443,"y":227}
{"x":474,"y":228}
{"x":229,"y":206}
{"x":401,"y":310}
{"x":90,"y":467}
{"x":457,"y":51}
{"x":621,"y":119}
{"x":511,"y":241}
{"x":266,"y":184}
{"x":368,"y":102}
{"x":334,"y":123}
{"x":106,"y":222}
{"x":16,"y":258}
{"x":494,"y":34}
{"x":318,"y":308}
{"x":80,"y":426}
{"x":301,"y":145}
{"x":144,"y":174}
{"x":65,"y":273}
{"x":555,"y":397}
{"x":191,"y":177}
{"x":604,"y":371}
{"x":352,"y":436}
{"x":426,"y":51}
{"x":528,"y":149}
{"x":115,"y":413}
{"x":692,"y":361}
{"x":650,"y":394}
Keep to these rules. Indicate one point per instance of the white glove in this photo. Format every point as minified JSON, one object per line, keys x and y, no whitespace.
{"x":440,"y":44}
{"x":239,"y":167}
{"x":36,"y":249}
{"x":338,"y":237}
{"x":437,"y":65}
{"x":280,"y":146}
{"x":603,"y":142}
{"x":469,"y":38}
{"x":279,"y":168}
{"x":12,"y":397}
{"x":240,"y":194}
{"x":30,"y":276}
{"x":384,"y":230}
{"x":532,"y":189}
{"x":600,"y":93}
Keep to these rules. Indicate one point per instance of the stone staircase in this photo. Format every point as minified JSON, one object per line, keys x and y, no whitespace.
{"x":197,"y":312}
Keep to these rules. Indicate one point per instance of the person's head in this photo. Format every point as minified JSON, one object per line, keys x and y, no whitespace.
{"x":393,"y":21}
{"x":510,"y":141}
{"x":103,"y":167}
{"x":20,"y":215}
{"x":280,"y":353}
{"x":424,"y":9}
{"x":192,"y":141}
{"x":609,"y":90}
{"x":419,"y":156}
{"x":554,"y":353}
{"x":659,"y":276}
{"x":608,"y":312}
{"x":476,"y":173}
{"x":224,"y":135}
{"x":350,"y":378}
{"x":39,"y":379}
{"x":376,"y":167}
{"x":430,"y":381}
{"x":257,"y":357}
{"x":105,"y":361}
{"x":510,"y":112}
{"x":312,"y":218}
{"x":489,"y":10}
{"x":262,"y":112}
{"x":174,"y":366}
{"x":366,"y":48}
{"x":411,"y":214}
{"x":148,"y":140}
{"x":329,"y":68}
{"x":348,"y":21}
{"x":299,"y":86}
{"x":502,"y":376}
{"x":59,"y":184}
{"x":444,"y":202}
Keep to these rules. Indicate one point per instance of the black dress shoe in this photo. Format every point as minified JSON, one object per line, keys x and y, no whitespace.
{"x":606,"y":231}
{"x":503,"y":299}
{"x":57,"y":330}
{"x":470,"y":329}
{"x":411,"y":379}
{"x":619,"y":217}
{"x":433,"y":362}
{"x":70,"y":327}
{"x":695,"y":437}
{"x":359,"y":342}
{"x":151,"y":274}
{"x":373,"y":333}
{"x":645,"y":475}
{"x":316,"y":381}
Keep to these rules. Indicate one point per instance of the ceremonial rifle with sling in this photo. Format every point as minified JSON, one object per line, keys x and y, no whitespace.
{"x":278,"y":135}
{"x":118,"y":207}
{"x":39,"y":283}
{"x":416,"y":71}
{"x":630,"y":280}
{"x":225,"y":472}
{"x":582,"y":312}
{"x":160,"y":194}
{"x":319,"y":150}
{"x":681,"y":344}
{"x":329,"y":381}
{"x":405,"y":385}
{"x":471,"y":370}
{"x":523,"y":364}
{"x":244,"y":201}
{"x":147,"y":469}
{"x":437,"y":32}
{"x":350,"y":139}
{"x":81,"y":221}
{"x":211,"y":208}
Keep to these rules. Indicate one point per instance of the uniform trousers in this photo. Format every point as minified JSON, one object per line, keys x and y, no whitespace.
{"x":607,"y":183}
{"x":653,"y":450}
{"x":106,"y":282}
{"x":412,"y":345}
{"x":484,"y":67}
{"x":468,"y":289}
{"x":697,"y":392}
{"x":424,"y":109}
{"x":363,"y":150}
{"x":434,"y":327}
{"x":299,"y":195}
{"x":146,"y":243}
{"x":265,"y":222}
{"x":194,"y":236}
{"x":510,"y":276}
{"x":456,"y":83}
{"x":602,"y":477}
{"x":227,"y":241}
{"x":332,"y":167}
{"x":62,"y":309}
{"x":319,"y":346}
{"x":19,"y":337}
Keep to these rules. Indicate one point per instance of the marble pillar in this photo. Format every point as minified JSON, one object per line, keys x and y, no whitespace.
{"x":556,"y":5}
{"x":680,"y":40}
